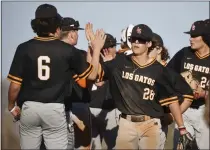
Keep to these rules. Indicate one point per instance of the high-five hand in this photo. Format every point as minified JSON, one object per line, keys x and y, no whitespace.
{"x":106,"y":56}
{"x":98,"y":42}
{"x":89,"y":32}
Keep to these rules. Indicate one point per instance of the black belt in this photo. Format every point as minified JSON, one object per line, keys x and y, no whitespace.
{"x":136,"y":118}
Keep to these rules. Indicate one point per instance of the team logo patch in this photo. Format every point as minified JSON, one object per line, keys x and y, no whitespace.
{"x":138,"y":30}
{"x":193,"y":27}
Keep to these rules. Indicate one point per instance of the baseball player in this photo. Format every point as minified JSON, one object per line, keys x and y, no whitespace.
{"x":160,"y":52}
{"x":193,"y":64}
{"x":139,"y":89}
{"x":105,"y":116}
{"x":69,"y":34}
{"x":125,"y":43}
{"x":206,"y":114}
{"x":40,"y":76}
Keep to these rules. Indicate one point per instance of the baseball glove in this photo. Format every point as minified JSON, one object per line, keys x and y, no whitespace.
{"x":185,"y":142}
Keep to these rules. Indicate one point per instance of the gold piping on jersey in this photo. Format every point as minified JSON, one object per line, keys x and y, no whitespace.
{"x":16,"y":82}
{"x":168,"y":99}
{"x":198,"y":55}
{"x":45,"y":38}
{"x":86,"y":72}
{"x":188,"y":99}
{"x":169,"y":103}
{"x":144,"y":66}
{"x":74,"y":76}
{"x":76,"y":79}
{"x":101,"y":73}
{"x":188,"y":96}
{"x":15,"y":78}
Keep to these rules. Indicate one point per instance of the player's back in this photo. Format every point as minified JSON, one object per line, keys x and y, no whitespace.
{"x":48,"y":70}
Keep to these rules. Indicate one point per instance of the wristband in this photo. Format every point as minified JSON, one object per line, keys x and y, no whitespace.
{"x":182,"y":128}
{"x":13,"y":109}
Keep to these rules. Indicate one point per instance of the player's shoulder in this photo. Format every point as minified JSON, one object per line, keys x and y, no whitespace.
{"x":183,"y":52}
{"x":81,"y":51}
{"x":156,"y":64}
{"x":186,"y":50}
{"x":120,"y":56}
{"x":22,"y":47}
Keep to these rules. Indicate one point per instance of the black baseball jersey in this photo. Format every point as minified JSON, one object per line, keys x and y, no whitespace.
{"x":100,"y":95}
{"x":42,"y":67}
{"x":77,"y":93}
{"x":192,"y":66}
{"x":143,"y":90}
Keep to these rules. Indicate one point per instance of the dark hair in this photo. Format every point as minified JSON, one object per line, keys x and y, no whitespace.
{"x":164,"y":53}
{"x":206,"y":39}
{"x":42,"y":27}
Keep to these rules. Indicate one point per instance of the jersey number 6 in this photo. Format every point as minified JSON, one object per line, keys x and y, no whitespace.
{"x":148,"y":94}
{"x":43,"y":70}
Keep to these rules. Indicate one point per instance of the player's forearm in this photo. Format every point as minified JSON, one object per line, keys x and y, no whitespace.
{"x":95,"y":63}
{"x":176,"y":112}
{"x":14,"y":90}
{"x":89,"y":57}
{"x":185,"y":105}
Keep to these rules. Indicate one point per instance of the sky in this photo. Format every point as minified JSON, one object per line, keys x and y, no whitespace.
{"x":169,"y":19}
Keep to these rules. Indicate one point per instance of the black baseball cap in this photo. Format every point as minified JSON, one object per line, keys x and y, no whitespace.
{"x":143,"y":32}
{"x":197,"y":28}
{"x":68,"y":24}
{"x":47,"y":11}
{"x":110,"y":41}
{"x":207,"y":26}
{"x":157,"y":38}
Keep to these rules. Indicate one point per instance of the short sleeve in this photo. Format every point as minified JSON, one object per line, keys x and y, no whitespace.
{"x":106,"y":68}
{"x":172,"y":88}
{"x":16,"y":70}
{"x":79,"y":64}
{"x":175,"y":62}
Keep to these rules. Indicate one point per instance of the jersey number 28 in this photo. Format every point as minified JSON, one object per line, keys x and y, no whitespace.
{"x":148,"y":94}
{"x":43,"y":70}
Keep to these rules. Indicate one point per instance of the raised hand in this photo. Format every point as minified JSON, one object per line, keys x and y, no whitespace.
{"x":106,"y":56}
{"x":98,"y":43}
{"x":89,"y":32}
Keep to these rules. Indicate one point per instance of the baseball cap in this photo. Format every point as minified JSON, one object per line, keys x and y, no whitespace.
{"x":157,"y":38}
{"x":197,"y":28}
{"x":46,"y":11}
{"x":68,"y":24}
{"x":142,"y":31}
{"x":207,"y":26}
{"x":110,"y":41}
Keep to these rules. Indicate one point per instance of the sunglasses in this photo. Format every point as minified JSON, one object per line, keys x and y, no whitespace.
{"x":139,"y":40}
{"x":194,"y":36}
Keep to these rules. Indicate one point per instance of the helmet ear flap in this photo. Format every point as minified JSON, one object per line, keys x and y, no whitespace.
{"x":128,"y":34}
{"x":123,"y":35}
